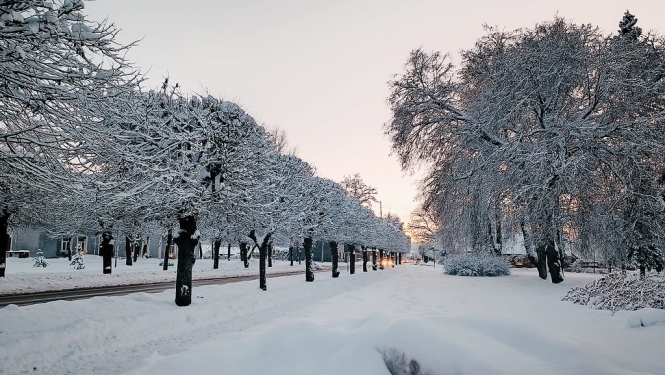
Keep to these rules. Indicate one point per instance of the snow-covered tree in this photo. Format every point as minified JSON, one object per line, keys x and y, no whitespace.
{"x":356,"y":188}
{"x":59,"y":72}
{"x":422,"y":226}
{"x":279,"y":205}
{"x":332,"y":209}
{"x":395,"y":221}
{"x":177,"y":163}
{"x":531,"y":123}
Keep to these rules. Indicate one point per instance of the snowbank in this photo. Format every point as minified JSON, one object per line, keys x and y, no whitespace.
{"x":350,"y":325}
{"x":645,"y":317}
{"x":22,"y":277}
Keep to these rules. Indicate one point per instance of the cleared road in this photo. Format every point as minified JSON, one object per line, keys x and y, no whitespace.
{"x":119,"y":290}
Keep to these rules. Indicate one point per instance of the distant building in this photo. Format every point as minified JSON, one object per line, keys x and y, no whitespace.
{"x":53,"y":247}
{"x":321,"y":250}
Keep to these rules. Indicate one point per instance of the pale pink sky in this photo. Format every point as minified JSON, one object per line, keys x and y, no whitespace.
{"x":318,"y":69}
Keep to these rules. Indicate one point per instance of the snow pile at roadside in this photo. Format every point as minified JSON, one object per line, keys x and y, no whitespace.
{"x":645,"y":317}
{"x":405,"y":317}
{"x":21,"y":277}
{"x":618,"y":291}
{"x":78,"y":336}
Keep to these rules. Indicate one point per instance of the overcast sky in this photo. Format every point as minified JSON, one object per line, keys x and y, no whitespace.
{"x":319,"y":69}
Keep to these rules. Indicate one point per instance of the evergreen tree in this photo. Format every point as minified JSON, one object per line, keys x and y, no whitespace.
{"x":627,"y":27}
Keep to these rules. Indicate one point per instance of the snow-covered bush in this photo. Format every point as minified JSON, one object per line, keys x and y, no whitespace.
{"x":39,"y":260}
{"x":78,"y":262}
{"x":476,"y":265}
{"x":617,"y":291}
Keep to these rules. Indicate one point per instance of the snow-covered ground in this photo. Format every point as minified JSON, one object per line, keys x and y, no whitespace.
{"x":447,"y":324}
{"x":22,"y":277}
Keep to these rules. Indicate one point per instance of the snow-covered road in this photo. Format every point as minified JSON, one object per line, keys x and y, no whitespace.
{"x":448,"y":324}
{"x":22,"y":277}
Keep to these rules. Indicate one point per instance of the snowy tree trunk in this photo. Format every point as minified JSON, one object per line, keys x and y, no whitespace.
{"x":553,"y":263}
{"x":364,"y":259}
{"x":374,"y":265}
{"x":4,"y":240}
{"x":490,"y":234}
{"x":144,"y":253}
{"x":228,"y":252}
{"x":215,"y":253}
{"x":498,"y":248}
{"x":400,"y":258}
{"x":380,"y":259}
{"x":559,"y":246}
{"x":480,"y":239}
{"x":69,"y":249}
{"x":186,"y":241}
{"x":106,"y":250}
{"x":263,"y":252}
{"x":335,"y":258}
{"x":309,"y":266}
{"x":262,"y":268}
{"x":169,"y":241}
{"x":291,"y":254}
{"x":243,"y":254}
{"x":540,"y":260}
{"x":128,"y":251}
{"x":352,"y":259}
{"x":136,"y":246}
{"x":528,"y":245}
{"x":270,"y":255}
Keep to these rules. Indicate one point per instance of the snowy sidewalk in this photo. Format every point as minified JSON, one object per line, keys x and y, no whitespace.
{"x":447,"y":324}
{"x":22,"y":277}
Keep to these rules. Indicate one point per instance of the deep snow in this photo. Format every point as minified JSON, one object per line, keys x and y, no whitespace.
{"x":448,"y":324}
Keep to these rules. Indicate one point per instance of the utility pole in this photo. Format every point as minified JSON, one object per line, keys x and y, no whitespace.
{"x":380,"y":210}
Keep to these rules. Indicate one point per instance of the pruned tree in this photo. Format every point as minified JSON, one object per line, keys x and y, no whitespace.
{"x":59,"y":72}
{"x":279,"y":205}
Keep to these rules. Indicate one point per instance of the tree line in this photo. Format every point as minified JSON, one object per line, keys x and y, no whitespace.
{"x":85,"y":147}
{"x":553,"y":134}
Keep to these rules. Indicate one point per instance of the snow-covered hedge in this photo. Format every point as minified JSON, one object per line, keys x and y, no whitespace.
{"x":617,"y":291}
{"x":476,"y":265}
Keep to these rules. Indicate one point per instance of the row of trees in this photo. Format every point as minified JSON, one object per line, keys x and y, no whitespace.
{"x":86,"y":148}
{"x":553,"y":133}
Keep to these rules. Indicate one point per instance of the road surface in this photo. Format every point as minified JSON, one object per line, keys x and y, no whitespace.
{"x":119,"y":290}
